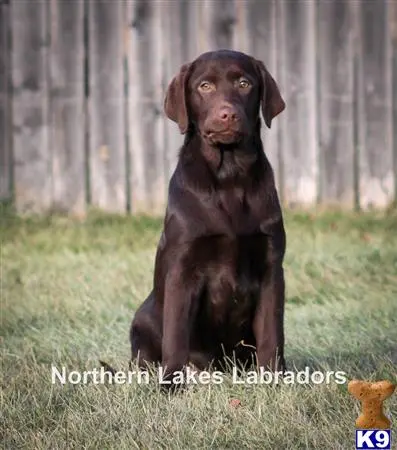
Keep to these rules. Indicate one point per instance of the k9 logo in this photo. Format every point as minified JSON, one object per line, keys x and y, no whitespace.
{"x":373,"y":439}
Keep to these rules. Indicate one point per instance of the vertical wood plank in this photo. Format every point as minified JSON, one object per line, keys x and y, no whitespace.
{"x":191,"y":13}
{"x":393,"y":32}
{"x":5,"y":107}
{"x":216,"y":22}
{"x":376,"y":155}
{"x":335,"y":78}
{"x":136,"y":14}
{"x":260,"y":40}
{"x":145,"y":105}
{"x":67,"y":106}
{"x":224,"y":21}
{"x":299,"y":121}
{"x":157,"y":154}
{"x":243,"y":20}
{"x":175,"y":53}
{"x":31,"y":153}
{"x":106,"y":106}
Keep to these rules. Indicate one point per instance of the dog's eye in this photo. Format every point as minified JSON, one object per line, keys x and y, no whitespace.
{"x":243,"y":83}
{"x":206,"y":86}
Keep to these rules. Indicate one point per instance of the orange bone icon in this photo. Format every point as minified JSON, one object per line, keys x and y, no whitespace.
{"x":371,"y":396}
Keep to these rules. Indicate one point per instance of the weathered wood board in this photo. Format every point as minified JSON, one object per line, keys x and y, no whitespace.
{"x":5,"y":106}
{"x":67,"y":114}
{"x":376,"y":169}
{"x":32,"y":157}
{"x":146,"y":126}
{"x":260,"y":29}
{"x":335,"y":99}
{"x":393,"y":32}
{"x":175,"y":49}
{"x":298,"y":124}
{"x":107,"y":128}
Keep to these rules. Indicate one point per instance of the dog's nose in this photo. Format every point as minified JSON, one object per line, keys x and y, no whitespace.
{"x":228,"y":114}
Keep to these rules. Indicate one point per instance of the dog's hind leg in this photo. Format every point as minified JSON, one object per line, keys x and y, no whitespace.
{"x":145,"y":335}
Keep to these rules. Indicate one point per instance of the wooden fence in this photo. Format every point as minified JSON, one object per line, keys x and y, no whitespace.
{"x":82,"y":86}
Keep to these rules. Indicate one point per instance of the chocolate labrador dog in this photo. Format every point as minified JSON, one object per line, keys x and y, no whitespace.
{"x":218,"y":279}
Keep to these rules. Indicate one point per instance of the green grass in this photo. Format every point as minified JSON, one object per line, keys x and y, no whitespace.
{"x":68,"y":293}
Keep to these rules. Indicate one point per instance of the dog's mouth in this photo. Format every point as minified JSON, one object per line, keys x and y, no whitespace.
{"x":224,"y":137}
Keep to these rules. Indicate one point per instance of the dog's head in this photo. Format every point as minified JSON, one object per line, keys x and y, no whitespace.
{"x":220,"y":93}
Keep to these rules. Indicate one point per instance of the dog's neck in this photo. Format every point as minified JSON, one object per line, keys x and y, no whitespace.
{"x":228,"y":162}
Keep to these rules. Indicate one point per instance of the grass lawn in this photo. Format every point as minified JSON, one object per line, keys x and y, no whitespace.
{"x":68,"y":293}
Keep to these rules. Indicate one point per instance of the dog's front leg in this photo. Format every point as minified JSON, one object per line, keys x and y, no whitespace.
{"x":269,"y":321}
{"x":180,"y":298}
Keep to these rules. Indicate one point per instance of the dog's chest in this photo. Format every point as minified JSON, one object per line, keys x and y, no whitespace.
{"x":234,"y":208}
{"x":234,"y":280}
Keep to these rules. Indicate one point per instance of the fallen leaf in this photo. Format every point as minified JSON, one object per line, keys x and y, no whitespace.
{"x":234,"y":403}
{"x":366,"y":237}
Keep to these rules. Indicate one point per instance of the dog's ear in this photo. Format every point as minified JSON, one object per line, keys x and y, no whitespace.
{"x":271,"y":101}
{"x":175,"y":103}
